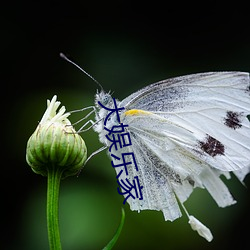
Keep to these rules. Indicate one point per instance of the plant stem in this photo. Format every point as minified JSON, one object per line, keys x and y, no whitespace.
{"x":54,"y":177}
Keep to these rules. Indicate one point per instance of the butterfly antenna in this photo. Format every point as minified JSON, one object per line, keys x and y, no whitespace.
{"x":90,"y":76}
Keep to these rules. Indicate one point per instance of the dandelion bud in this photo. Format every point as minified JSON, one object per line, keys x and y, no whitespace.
{"x":55,"y":143}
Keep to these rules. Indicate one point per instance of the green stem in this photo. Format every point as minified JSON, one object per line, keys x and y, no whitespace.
{"x":54,"y":177}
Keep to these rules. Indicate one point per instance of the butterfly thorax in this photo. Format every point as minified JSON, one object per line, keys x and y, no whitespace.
{"x":101,"y":113}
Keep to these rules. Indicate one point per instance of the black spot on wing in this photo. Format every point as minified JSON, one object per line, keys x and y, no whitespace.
{"x":212,"y":146}
{"x":190,"y":181}
{"x":233,"y":119}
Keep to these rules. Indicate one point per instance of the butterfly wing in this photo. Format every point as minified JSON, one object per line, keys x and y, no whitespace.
{"x":186,"y":132}
{"x":211,"y":106}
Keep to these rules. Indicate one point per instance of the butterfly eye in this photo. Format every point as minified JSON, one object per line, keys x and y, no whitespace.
{"x":106,"y":99}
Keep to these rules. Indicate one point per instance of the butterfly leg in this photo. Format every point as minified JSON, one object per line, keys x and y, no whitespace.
{"x":86,"y":116}
{"x":83,"y":127}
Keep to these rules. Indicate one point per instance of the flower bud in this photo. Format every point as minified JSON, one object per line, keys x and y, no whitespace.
{"x":55,"y":144}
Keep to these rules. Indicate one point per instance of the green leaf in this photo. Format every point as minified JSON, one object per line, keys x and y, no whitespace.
{"x":117,"y":234}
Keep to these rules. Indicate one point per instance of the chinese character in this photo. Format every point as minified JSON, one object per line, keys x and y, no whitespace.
{"x":116,"y":138}
{"x":124,"y":162}
{"x":112,"y":111}
{"x":113,"y":129}
{"x":128,"y":187}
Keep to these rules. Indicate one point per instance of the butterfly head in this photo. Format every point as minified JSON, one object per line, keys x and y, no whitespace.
{"x":104,"y":98}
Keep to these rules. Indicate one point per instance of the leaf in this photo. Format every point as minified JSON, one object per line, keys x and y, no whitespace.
{"x":117,"y":234}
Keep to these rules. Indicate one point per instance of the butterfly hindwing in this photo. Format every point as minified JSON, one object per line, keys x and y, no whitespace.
{"x":171,"y":165}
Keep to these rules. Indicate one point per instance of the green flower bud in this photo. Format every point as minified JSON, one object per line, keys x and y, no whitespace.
{"x":55,"y":144}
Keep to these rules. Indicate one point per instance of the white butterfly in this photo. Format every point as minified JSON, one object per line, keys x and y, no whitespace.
{"x":185,"y":132}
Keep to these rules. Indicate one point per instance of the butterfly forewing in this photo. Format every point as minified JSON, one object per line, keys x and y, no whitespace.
{"x":211,"y":108}
{"x":179,"y":90}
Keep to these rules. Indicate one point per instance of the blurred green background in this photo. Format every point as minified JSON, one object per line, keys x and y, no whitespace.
{"x":125,"y":47}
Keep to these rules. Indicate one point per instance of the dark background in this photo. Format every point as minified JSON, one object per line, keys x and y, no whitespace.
{"x":125,"y":46}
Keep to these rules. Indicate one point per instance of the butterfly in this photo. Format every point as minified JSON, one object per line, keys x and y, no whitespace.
{"x":185,"y":133}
